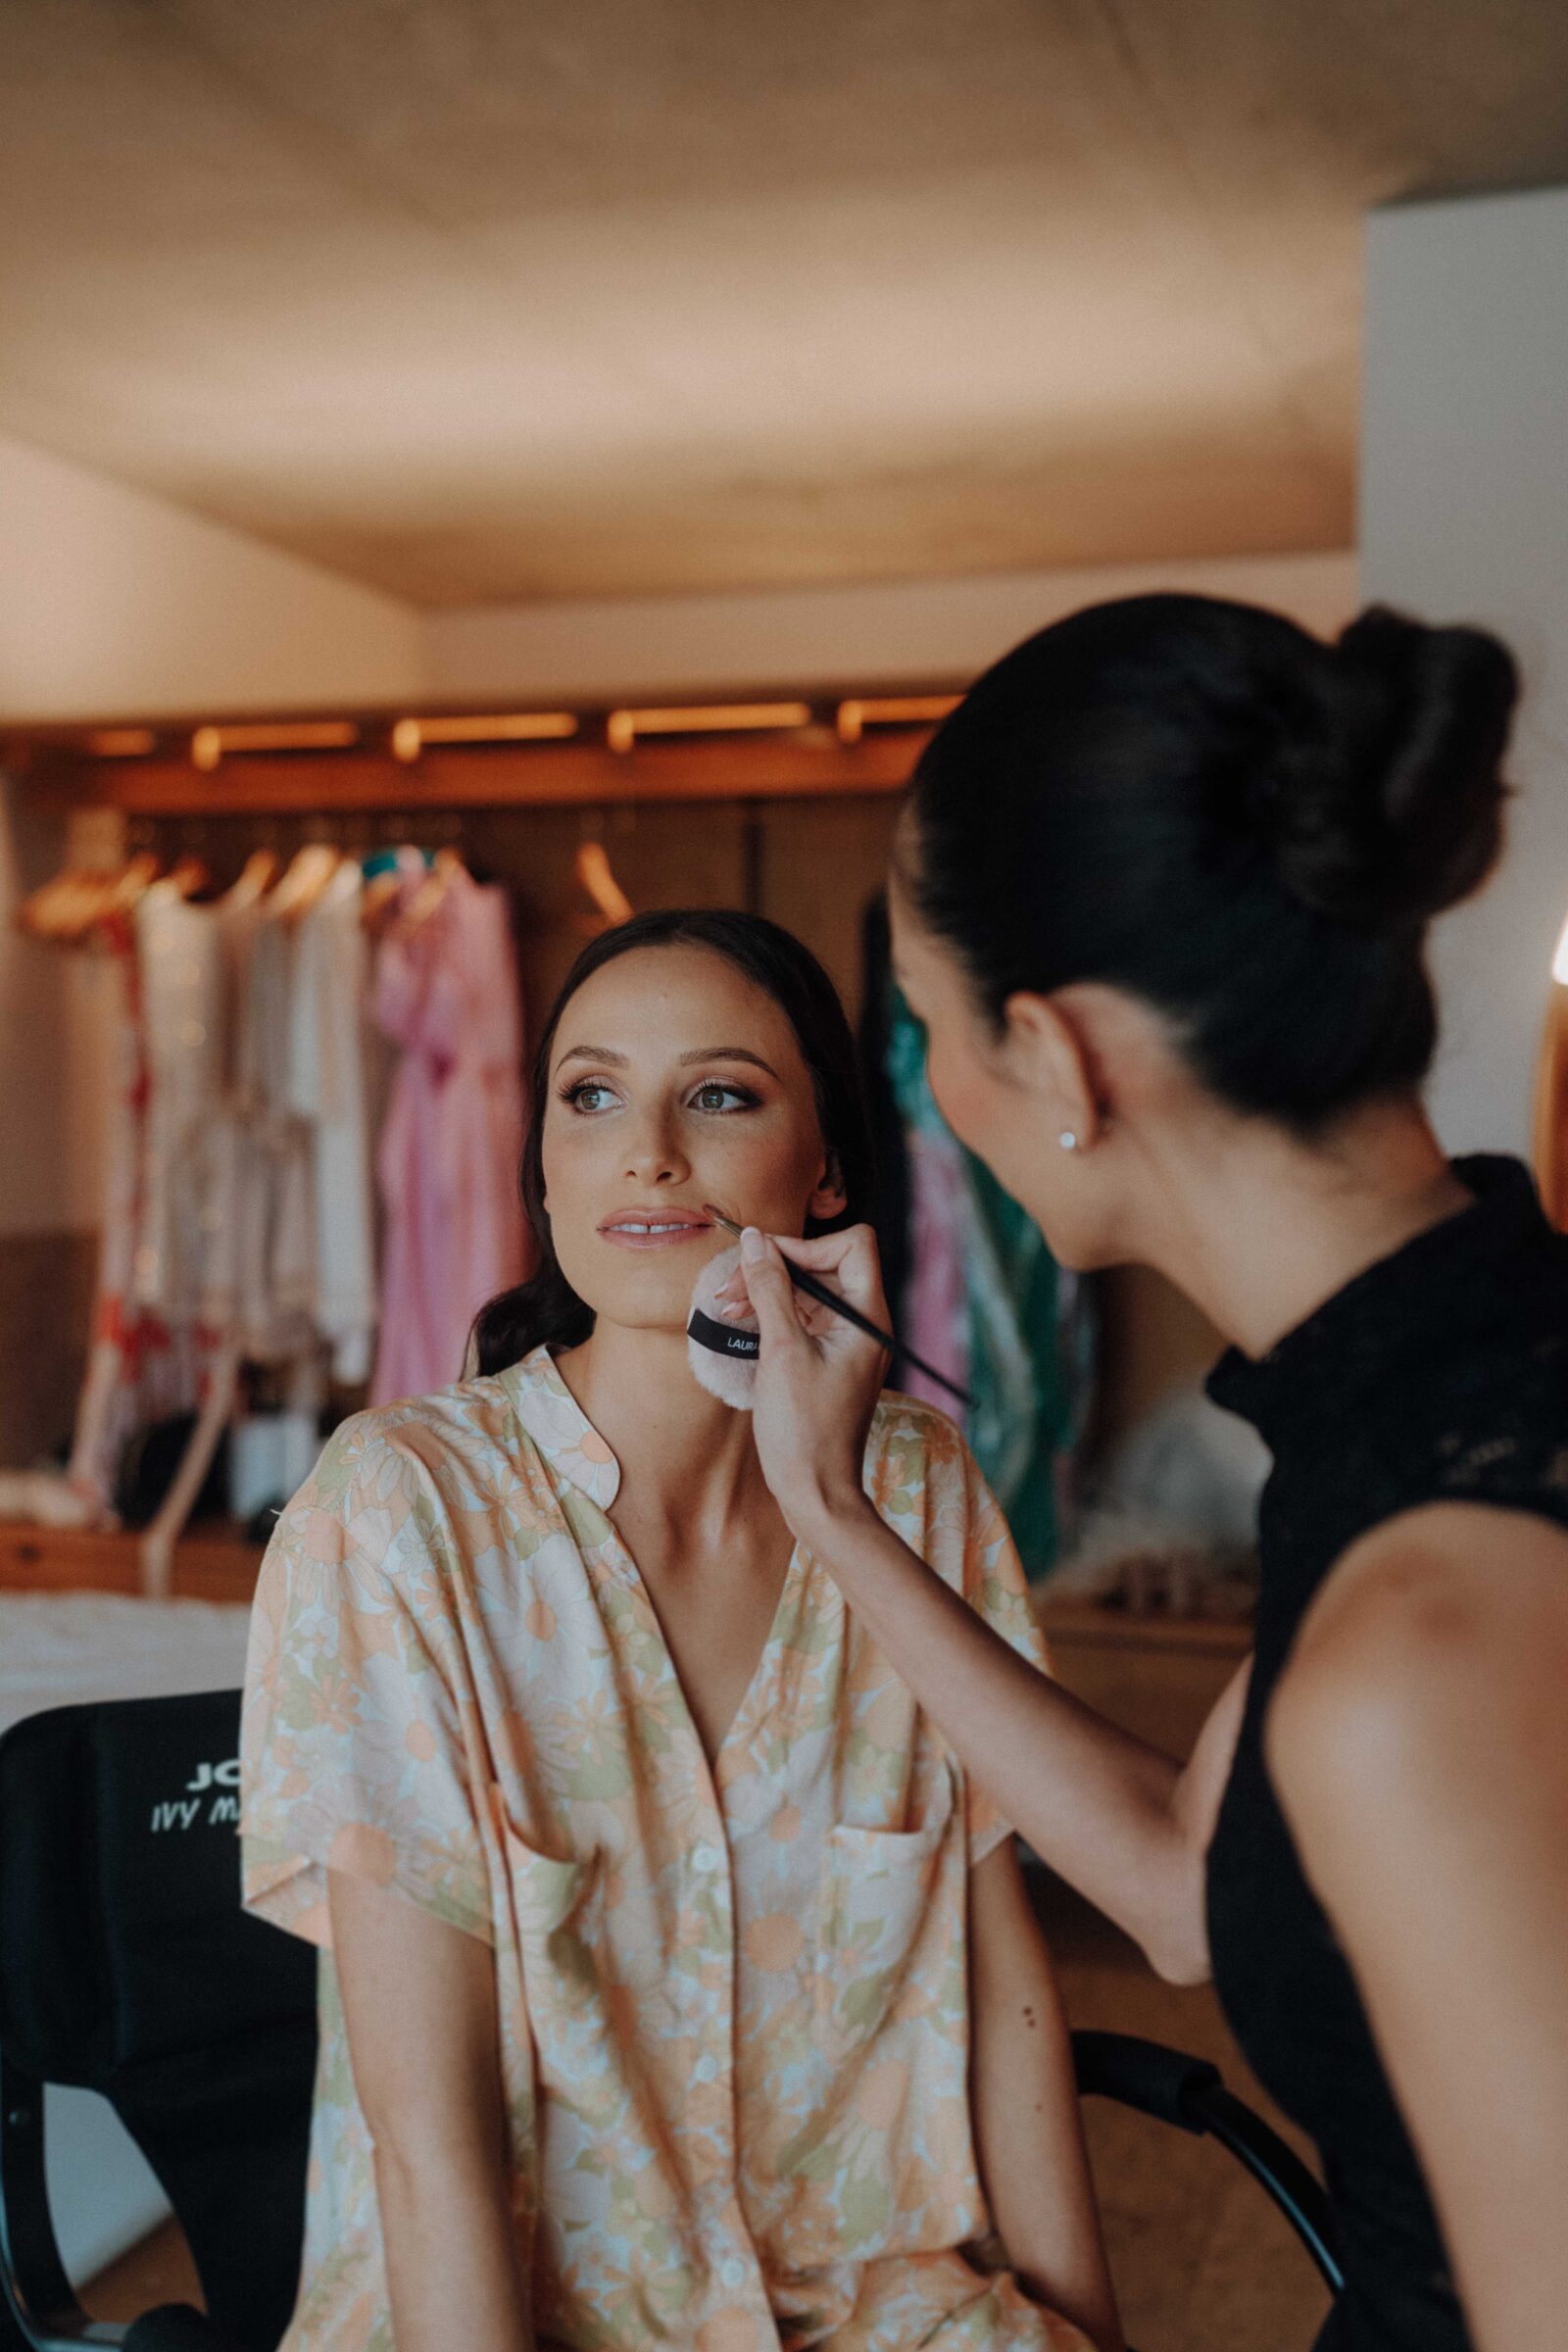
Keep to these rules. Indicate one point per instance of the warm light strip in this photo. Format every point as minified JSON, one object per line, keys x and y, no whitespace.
{"x":121,"y":742}
{"x":209,"y":745}
{"x":893,"y":710}
{"x":411,"y":735}
{"x":622,"y":728}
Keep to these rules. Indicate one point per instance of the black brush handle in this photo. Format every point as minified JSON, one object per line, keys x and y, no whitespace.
{"x":819,"y":1290}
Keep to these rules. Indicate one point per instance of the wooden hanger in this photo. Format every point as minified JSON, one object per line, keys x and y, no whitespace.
{"x":307,"y":874}
{"x":445,"y":868}
{"x":188,"y":877}
{"x":256,"y":878}
{"x":68,"y":909}
{"x":594,"y":872}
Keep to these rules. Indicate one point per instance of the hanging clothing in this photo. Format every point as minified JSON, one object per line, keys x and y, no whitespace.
{"x":328,"y":1089}
{"x":139,"y":1368}
{"x":933,"y":1309}
{"x":732,"y":2003}
{"x":180,"y":949}
{"x":1030,"y":1365}
{"x":275,"y":1204}
{"x":1436,"y":1376}
{"x":448,"y":993}
{"x":981,"y":1296}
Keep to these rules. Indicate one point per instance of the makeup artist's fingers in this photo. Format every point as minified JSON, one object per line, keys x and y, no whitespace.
{"x":772,"y":1298}
{"x":849,"y":1260}
{"x":817,"y":1382}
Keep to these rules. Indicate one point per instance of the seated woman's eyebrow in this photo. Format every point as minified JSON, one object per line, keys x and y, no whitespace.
{"x":728,"y":1053}
{"x":603,"y":1053}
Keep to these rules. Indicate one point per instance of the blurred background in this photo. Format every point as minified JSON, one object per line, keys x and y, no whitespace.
{"x":467,"y":471}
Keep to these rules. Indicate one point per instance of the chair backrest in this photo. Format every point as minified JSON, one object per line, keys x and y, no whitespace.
{"x":128,"y":1966}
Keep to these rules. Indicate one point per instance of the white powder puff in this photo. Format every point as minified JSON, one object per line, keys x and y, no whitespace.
{"x":730,"y":1378}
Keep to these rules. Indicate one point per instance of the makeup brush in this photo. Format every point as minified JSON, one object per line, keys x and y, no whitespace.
{"x":824,"y":1297}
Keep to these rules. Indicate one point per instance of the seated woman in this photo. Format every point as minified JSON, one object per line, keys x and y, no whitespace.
{"x":681,"y":1991}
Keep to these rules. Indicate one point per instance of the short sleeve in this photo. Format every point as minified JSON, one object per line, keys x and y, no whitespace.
{"x":353,"y":1749}
{"x":994,"y":1582}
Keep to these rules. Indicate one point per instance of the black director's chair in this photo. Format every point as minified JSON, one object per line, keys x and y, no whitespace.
{"x":127,"y":1966}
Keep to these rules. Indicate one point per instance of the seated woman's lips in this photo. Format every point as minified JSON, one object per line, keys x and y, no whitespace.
{"x":653,"y":1231}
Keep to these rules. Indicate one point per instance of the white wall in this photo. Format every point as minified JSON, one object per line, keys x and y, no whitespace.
{"x":824,"y":637}
{"x":1464,"y":517}
{"x":111,"y":600}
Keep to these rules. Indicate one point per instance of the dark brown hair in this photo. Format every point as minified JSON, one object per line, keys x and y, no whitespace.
{"x":1199,"y":803}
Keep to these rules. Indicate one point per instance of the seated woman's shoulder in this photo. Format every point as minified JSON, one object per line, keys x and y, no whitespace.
{"x":465,"y":1424}
{"x":908,"y":1431}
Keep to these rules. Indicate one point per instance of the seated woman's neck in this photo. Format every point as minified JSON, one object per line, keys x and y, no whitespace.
{"x":689,"y":1457}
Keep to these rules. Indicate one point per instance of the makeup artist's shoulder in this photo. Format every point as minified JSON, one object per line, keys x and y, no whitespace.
{"x":1446,"y":1620}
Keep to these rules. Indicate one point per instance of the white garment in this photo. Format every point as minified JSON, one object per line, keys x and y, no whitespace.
{"x":327,"y":1087}
{"x":275,"y":1218}
{"x":182,"y":955}
{"x":140,"y":1368}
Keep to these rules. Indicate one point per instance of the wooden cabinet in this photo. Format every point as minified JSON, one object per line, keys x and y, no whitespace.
{"x":1155,"y":1676}
{"x":210,"y":1563}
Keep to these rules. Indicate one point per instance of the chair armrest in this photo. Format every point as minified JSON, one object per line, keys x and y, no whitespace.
{"x":1158,"y":2082}
{"x":1300,"y":2196}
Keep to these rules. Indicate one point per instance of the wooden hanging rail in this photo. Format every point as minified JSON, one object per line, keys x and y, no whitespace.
{"x":402,"y":762}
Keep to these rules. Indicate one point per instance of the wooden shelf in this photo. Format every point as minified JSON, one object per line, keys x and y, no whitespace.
{"x":807,"y":764}
{"x":211,"y":1563}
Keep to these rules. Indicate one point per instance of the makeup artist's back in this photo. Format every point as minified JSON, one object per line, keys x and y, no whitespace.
{"x":1440,"y":1376}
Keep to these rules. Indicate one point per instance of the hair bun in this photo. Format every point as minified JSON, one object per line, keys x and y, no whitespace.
{"x":1384,"y":805}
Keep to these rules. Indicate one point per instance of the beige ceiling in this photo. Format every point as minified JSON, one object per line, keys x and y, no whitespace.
{"x":480,"y":299}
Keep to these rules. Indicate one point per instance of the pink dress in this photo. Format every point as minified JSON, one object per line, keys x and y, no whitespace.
{"x":447,"y":992}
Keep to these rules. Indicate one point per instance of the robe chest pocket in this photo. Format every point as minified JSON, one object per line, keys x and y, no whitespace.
{"x":876,"y":1929}
{"x":558,"y":1907}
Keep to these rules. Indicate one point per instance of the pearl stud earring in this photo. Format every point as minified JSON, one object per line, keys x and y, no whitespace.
{"x":1070,"y":1142}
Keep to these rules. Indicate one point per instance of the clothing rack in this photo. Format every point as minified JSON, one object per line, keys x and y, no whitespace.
{"x":725,"y":792}
{"x":384,"y":764}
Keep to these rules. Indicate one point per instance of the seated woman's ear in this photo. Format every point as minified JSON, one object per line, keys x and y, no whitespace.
{"x":831,"y":1198}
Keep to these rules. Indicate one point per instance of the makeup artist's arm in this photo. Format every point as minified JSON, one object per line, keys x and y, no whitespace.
{"x":1121,"y":1822}
{"x":1420,"y":1746}
{"x":1024,"y":2097}
{"x":420,"y":2005}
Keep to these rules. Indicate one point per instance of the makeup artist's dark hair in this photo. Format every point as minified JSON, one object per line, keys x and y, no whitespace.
{"x":1200,"y":804}
{"x":546,"y":1310}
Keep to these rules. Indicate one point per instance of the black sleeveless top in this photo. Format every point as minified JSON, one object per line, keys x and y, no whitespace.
{"x":1438,"y":1375}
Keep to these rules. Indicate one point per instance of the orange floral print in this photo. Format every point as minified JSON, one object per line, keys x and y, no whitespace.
{"x":733,"y":2003}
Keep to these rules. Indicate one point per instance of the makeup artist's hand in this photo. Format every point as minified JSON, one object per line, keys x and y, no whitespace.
{"x":817,"y":1378}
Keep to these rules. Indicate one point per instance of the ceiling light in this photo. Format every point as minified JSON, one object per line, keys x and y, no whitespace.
{"x":622,"y":728}
{"x":411,"y":735}
{"x":210,"y":745}
{"x":893,"y":710}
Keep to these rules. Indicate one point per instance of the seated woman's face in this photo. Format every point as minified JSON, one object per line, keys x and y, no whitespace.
{"x":674,"y":1080}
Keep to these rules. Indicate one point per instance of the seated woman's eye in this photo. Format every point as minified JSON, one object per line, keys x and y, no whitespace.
{"x":588,"y":1094}
{"x":717,"y":1093}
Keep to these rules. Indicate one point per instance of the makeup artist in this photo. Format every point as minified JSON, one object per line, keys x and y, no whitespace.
{"x":1159,"y":897}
